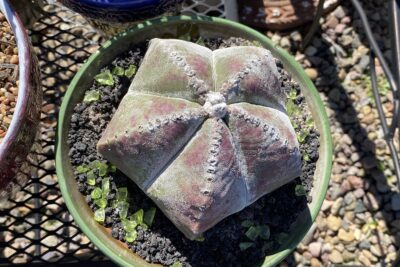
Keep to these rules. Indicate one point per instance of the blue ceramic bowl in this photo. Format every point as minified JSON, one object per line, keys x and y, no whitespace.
{"x":121,"y":11}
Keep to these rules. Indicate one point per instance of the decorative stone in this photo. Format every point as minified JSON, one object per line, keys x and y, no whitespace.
{"x":333,"y":223}
{"x":315,"y":248}
{"x":395,"y":202}
{"x":204,"y":134}
{"x":335,"y":257}
{"x":346,"y":236}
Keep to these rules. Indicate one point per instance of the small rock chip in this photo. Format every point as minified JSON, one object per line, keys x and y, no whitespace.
{"x":14,"y":59}
{"x":346,"y":236}
{"x":395,"y":202}
{"x":312,"y":73}
{"x":315,"y":248}
{"x":333,"y":222}
{"x":336,"y":257}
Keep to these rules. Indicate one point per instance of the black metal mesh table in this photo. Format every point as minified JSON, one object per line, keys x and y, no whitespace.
{"x":35,"y":226}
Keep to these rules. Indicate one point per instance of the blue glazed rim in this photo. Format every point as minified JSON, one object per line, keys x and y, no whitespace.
{"x":121,"y":11}
{"x":121,"y":4}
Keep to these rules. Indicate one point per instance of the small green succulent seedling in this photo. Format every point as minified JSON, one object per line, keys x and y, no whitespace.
{"x":203,"y":133}
{"x":299,"y":190}
{"x":91,"y":96}
{"x":104,"y":78}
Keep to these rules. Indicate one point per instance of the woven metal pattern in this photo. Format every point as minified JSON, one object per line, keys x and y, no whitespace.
{"x":214,"y":8}
{"x":35,"y":226}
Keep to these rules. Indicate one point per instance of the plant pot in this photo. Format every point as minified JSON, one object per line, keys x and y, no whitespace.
{"x":22,"y":131}
{"x":171,"y":27}
{"x":115,"y":16}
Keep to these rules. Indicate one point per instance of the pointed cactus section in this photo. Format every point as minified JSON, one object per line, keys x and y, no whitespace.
{"x":204,"y":134}
{"x":175,"y":68}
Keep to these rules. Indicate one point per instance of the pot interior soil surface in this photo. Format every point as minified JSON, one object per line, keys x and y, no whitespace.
{"x":8,"y":75}
{"x":242,"y":239}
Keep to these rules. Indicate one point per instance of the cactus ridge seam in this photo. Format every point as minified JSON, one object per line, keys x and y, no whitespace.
{"x":198,"y":85}
{"x":232,"y":86}
{"x":181,"y":117}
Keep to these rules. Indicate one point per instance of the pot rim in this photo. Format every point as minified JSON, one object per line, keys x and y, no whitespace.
{"x":326,"y":139}
{"x":24,"y":88}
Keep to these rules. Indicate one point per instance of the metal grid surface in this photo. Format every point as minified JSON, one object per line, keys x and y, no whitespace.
{"x":35,"y":226}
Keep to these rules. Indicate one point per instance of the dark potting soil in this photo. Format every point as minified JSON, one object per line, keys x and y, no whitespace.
{"x":163,"y":243}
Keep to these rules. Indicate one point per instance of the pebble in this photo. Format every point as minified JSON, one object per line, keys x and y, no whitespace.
{"x":395,"y":202}
{"x":346,"y":236}
{"x":315,"y":263}
{"x":333,"y":222}
{"x":339,"y":12}
{"x":312,"y":73}
{"x":315,"y":248}
{"x":8,"y":84}
{"x":336,"y":257}
{"x":310,"y":51}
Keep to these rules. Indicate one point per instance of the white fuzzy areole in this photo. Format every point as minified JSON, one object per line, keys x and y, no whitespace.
{"x":215,"y":105}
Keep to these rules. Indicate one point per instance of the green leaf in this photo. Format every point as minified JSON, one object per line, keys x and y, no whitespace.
{"x":123,"y":208}
{"x":130,"y":236}
{"x":144,"y":226}
{"x":105,"y":78}
{"x":103,"y":169}
{"x":291,"y":108}
{"x":96,"y":193}
{"x":200,"y":239}
{"x":299,"y":190}
{"x":101,"y":202}
{"x":100,"y":215}
{"x":138,"y":216}
{"x":381,"y":165}
{"x":148,"y":216}
{"x":130,"y":71}
{"x":129,"y":225}
{"x":247,"y":223}
{"x":292,"y":94}
{"x":302,"y":135}
{"x":91,"y":96}
{"x":245,"y":245}
{"x":310,"y":123}
{"x":252,"y":233}
{"x":114,"y":204}
{"x":256,"y":43}
{"x":200,"y":41}
{"x":119,"y":71}
{"x":265,"y":232}
{"x":91,"y":178}
{"x":105,"y":187}
{"x":112,"y":168}
{"x":306,"y":157}
{"x":82,"y":169}
{"x":177,"y":264}
{"x":95,"y":164}
{"x":122,"y":194}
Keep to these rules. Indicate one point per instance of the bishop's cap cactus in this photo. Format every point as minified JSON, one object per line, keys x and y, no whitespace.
{"x":203,"y":133}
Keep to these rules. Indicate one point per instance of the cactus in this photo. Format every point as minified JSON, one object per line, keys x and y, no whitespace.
{"x":203,"y":133}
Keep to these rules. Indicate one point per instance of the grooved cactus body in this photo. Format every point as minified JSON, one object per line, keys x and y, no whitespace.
{"x":202,"y":133}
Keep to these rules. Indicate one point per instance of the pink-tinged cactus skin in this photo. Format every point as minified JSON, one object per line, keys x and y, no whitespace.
{"x":204,"y":134}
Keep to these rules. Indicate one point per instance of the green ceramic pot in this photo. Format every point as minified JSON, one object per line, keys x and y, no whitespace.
{"x":173,"y":27}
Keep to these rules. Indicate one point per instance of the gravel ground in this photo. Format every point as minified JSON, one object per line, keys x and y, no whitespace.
{"x":360,"y":220}
{"x":8,"y":75}
{"x":163,"y":243}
